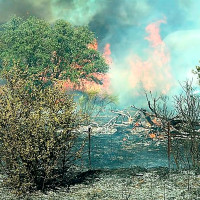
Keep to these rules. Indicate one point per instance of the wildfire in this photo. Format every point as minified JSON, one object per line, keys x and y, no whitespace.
{"x":107,"y":54}
{"x":86,"y":85}
{"x":152,"y":135}
{"x":93,"y":45}
{"x":157,"y":121}
{"x":154,"y":72}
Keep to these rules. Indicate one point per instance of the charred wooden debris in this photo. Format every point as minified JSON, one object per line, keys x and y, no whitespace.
{"x":157,"y":120}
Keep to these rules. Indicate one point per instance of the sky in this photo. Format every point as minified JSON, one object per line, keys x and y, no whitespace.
{"x":154,"y":44}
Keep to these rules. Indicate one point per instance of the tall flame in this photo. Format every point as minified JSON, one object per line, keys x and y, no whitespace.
{"x":154,"y":73}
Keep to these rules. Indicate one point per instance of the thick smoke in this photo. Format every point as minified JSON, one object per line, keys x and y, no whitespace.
{"x":79,"y":12}
{"x":25,"y":8}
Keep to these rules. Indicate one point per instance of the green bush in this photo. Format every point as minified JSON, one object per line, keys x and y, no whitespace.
{"x":37,"y":132}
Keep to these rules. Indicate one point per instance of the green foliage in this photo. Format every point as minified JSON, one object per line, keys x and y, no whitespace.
{"x":197,"y":72}
{"x":37,"y":132}
{"x":93,"y":104}
{"x":60,"y":50}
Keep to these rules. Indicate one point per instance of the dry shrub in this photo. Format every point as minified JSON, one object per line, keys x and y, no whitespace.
{"x":37,"y":137}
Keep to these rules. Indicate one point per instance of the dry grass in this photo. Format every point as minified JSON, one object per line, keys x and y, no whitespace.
{"x":125,"y":184}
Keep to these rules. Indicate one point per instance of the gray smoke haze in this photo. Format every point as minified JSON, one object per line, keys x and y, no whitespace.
{"x":25,"y":8}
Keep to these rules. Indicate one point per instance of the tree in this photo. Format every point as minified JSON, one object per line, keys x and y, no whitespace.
{"x":197,"y":72}
{"x":61,"y":50}
{"x":187,"y":106}
{"x":37,"y":132}
{"x":180,"y":122}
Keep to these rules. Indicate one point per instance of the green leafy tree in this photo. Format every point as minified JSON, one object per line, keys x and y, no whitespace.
{"x":37,"y":132}
{"x":61,"y":50}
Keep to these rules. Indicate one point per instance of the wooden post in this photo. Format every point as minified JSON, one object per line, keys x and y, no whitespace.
{"x":89,"y":146}
{"x":169,"y":143}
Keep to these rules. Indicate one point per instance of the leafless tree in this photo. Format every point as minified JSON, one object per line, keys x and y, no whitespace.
{"x":181,"y":123}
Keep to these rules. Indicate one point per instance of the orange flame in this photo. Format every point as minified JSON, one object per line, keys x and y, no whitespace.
{"x":107,"y":54}
{"x":86,"y":85}
{"x":93,"y":45}
{"x":152,"y":135}
{"x":154,"y":72}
